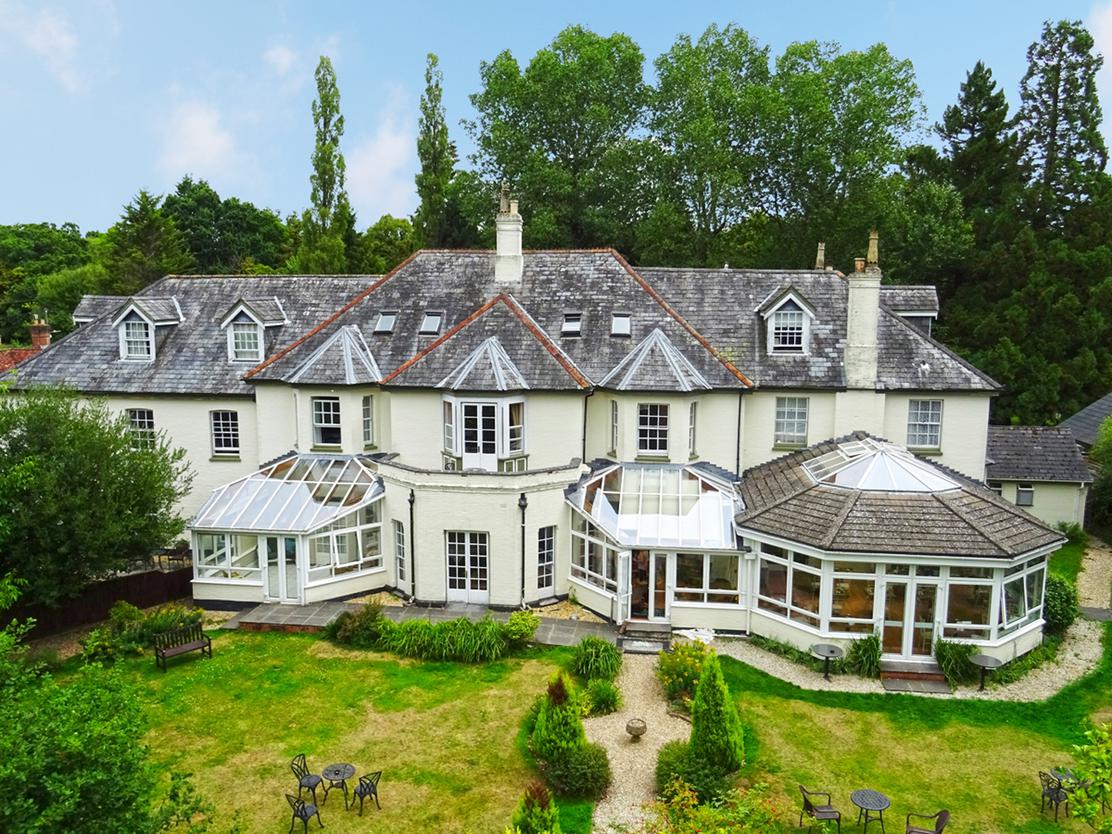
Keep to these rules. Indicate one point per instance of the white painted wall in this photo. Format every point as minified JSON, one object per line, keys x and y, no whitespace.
{"x":964,"y":427}
{"x":1055,"y":502}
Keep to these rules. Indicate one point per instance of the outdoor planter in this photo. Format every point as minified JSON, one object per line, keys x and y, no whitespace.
{"x":636,"y":728}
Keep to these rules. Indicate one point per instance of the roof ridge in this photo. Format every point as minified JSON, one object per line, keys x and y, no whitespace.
{"x":670,"y":310}
{"x":943,"y":499}
{"x":840,"y":519}
{"x":356,"y":300}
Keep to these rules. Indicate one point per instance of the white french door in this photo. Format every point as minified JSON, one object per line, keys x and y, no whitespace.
{"x":480,"y":436}
{"x":281,"y":569}
{"x":909,"y":618}
{"x":468,"y":567}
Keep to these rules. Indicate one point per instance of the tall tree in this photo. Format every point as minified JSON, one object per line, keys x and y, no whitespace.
{"x":144,"y":246}
{"x":325,"y":225}
{"x":710,"y":114}
{"x":438,"y":160}
{"x":556,"y":128}
{"x":27,"y":252}
{"x":1059,"y":119}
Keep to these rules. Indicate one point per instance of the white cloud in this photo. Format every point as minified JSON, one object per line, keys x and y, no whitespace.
{"x":47,"y":34}
{"x":195,"y":141}
{"x":281,"y":59}
{"x":380,"y":168}
{"x":1100,"y":24}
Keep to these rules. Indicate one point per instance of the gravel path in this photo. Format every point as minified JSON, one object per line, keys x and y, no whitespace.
{"x":633,"y":763}
{"x":1094,"y":582}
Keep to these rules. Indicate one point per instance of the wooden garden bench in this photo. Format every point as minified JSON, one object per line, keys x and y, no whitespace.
{"x":180,"y":641}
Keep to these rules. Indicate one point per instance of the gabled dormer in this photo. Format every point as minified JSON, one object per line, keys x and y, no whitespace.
{"x":788,"y":317}
{"x":137,"y":321}
{"x":245,"y":325}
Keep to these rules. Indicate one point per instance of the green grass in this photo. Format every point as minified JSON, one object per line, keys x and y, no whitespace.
{"x":980,"y":759}
{"x":1066,"y":562}
{"x":443,"y":733}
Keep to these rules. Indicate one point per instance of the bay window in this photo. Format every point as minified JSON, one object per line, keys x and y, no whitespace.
{"x":790,"y":585}
{"x":1022,"y":600}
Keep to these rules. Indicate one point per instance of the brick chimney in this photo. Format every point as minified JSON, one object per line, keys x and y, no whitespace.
{"x":863,"y":311}
{"x":40,"y":334}
{"x":508,"y":259}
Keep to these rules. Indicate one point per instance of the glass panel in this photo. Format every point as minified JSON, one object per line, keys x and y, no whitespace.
{"x":922,"y":635}
{"x":895,"y":600}
{"x":805,"y":590}
{"x":972,"y":573}
{"x":774,"y":580}
{"x":689,"y":570}
{"x":853,"y":598}
{"x":639,"y":599}
{"x":1015,"y":602}
{"x":660,"y":577}
{"x":272,"y":577}
{"x":969,"y":604}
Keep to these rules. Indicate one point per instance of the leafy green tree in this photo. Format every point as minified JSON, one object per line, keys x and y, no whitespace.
{"x":553,"y":130}
{"x":91,"y":502}
{"x":710,"y":113}
{"x":385,"y":245}
{"x":28,"y":251}
{"x":1100,"y":499}
{"x":1094,"y":769}
{"x":1060,"y":118}
{"x":438,"y":160}
{"x":717,"y":737}
{"x":325,"y":226}
{"x":144,"y":246}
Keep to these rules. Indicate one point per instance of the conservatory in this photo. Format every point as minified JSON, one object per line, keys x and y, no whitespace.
{"x":301,"y":529}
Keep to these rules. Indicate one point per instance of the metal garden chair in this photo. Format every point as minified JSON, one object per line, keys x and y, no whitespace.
{"x":941,"y":820}
{"x":302,"y":812}
{"x":1053,"y":793}
{"x":305,"y":779}
{"x":819,"y":812}
{"x":367,"y":787}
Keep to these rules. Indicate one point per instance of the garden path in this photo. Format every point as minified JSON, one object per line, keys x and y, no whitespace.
{"x":1094,"y":581}
{"x":633,"y":763}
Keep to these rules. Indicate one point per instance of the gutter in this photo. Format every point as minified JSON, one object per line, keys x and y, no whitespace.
{"x":412,"y":548}
{"x":522,"y":503}
{"x":737,"y":466}
{"x":583,"y":455}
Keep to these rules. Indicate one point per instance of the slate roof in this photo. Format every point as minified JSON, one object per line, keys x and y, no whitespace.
{"x":344,"y":359}
{"x":1086,"y":423}
{"x":1034,"y":453}
{"x":93,"y":306}
{"x":190,"y":357}
{"x":723,"y":305}
{"x":914,"y":299}
{"x":652,"y":361}
{"x":782,"y":499}
{"x":158,"y":310}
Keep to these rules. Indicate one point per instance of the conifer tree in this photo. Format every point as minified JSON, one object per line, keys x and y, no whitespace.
{"x":438,"y":159}
{"x":717,"y":737}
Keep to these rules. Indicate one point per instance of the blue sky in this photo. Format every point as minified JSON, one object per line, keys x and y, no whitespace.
{"x":99,"y":98}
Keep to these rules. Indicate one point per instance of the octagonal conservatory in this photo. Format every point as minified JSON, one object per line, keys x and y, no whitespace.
{"x":845,"y":538}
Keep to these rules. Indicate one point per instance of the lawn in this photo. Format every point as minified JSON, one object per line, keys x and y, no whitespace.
{"x":979,"y":759}
{"x":443,"y":733}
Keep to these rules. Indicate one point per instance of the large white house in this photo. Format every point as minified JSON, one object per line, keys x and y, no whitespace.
{"x":700,"y":447}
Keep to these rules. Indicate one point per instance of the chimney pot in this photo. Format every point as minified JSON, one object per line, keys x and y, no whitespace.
{"x":40,"y":334}
{"x":858,"y":264}
{"x":820,"y":257}
{"x":874,"y":249}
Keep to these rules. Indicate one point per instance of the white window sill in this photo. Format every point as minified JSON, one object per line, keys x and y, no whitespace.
{"x":218,"y":581}
{"x":711,"y":606}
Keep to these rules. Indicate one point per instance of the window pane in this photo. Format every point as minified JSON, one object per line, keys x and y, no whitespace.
{"x":791,"y":420}
{"x":368,"y":420}
{"x":924,"y":424}
{"x":774,"y":580}
{"x":689,"y":570}
{"x":326,"y":420}
{"x":969,"y":604}
{"x":652,"y":428}
{"x":225,"y":432}
{"x":853,"y":598}
{"x":805,"y":590}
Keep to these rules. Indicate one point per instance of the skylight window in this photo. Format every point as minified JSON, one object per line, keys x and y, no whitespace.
{"x":385,"y":323}
{"x":621,"y":324}
{"x":430,"y":325}
{"x":573,"y":324}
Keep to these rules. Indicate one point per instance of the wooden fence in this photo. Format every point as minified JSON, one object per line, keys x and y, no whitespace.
{"x":140,"y":589}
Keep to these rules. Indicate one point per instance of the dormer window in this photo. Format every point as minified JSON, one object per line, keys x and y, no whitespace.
{"x":573,"y":324}
{"x":245,"y":343}
{"x":621,"y":324}
{"x":135,"y":340}
{"x":788,"y":320}
{"x":430,"y":325}
{"x":385,"y":324}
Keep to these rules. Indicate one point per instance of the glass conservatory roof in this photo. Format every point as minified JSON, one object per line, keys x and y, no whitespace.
{"x":295,"y":495}
{"x":660,"y":506}
{"x":876,"y":466}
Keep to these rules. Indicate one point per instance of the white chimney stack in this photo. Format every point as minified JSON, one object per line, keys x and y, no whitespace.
{"x":861,"y":319}
{"x":508,"y":259}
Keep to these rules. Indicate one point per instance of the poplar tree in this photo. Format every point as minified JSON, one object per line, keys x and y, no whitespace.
{"x":438,"y":159}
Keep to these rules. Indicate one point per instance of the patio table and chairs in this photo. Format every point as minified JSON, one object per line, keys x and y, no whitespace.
{"x":331,"y":777}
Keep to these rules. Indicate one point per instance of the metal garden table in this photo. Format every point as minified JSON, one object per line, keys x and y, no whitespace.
{"x":868,"y":802}
{"x":336,"y":775}
{"x":826,"y":652}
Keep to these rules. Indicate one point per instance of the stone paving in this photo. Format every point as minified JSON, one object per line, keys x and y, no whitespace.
{"x":314,"y":617}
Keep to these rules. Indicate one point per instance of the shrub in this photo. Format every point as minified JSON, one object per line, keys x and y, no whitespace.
{"x":582,"y":771}
{"x":863,"y":657}
{"x":596,"y":658}
{"x":953,"y":658}
{"x":130,"y":631}
{"x":411,"y":638}
{"x":363,"y":629}
{"x":537,"y":812}
{"x":559,"y":727}
{"x":521,"y":627}
{"x":717,"y":737}
{"x":603,"y":697}
{"x":679,"y":770}
{"x":1074,"y":532}
{"x":1060,"y":606}
{"x":460,"y":639}
{"x":748,"y":812}
{"x":679,"y":669}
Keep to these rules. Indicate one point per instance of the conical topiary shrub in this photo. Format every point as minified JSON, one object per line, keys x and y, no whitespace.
{"x":717,"y":737}
{"x":559,"y":726}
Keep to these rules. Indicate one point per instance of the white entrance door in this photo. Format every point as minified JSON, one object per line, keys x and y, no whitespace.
{"x":468,"y":568}
{"x":480,"y":436}
{"x":909,"y":618}
{"x":281,"y":569}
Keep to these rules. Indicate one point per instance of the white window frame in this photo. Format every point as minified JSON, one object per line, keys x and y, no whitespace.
{"x":399,"y":552}
{"x":218,"y":556}
{"x":614,"y":428}
{"x":546,"y":558}
{"x":692,"y":422}
{"x":319,"y":424}
{"x":1025,"y":494}
{"x":431,"y":318}
{"x":1004,"y":624}
{"x":513,"y":443}
{"x":647,"y":432}
{"x":793,"y":613}
{"x":127,"y":341}
{"x":586,"y":536}
{"x":449,"y":422}
{"x":236,"y":353}
{"x":144,"y":434}
{"x":332,"y":542}
{"x":224,"y":431}
{"x":512,"y":440}
{"x":572,"y":324}
{"x":384,"y":324}
{"x":710,"y":596}
{"x":996,"y":486}
{"x":776,"y":320}
{"x":788,"y":411}
{"x":926,"y":424}
{"x":368,"y":420}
